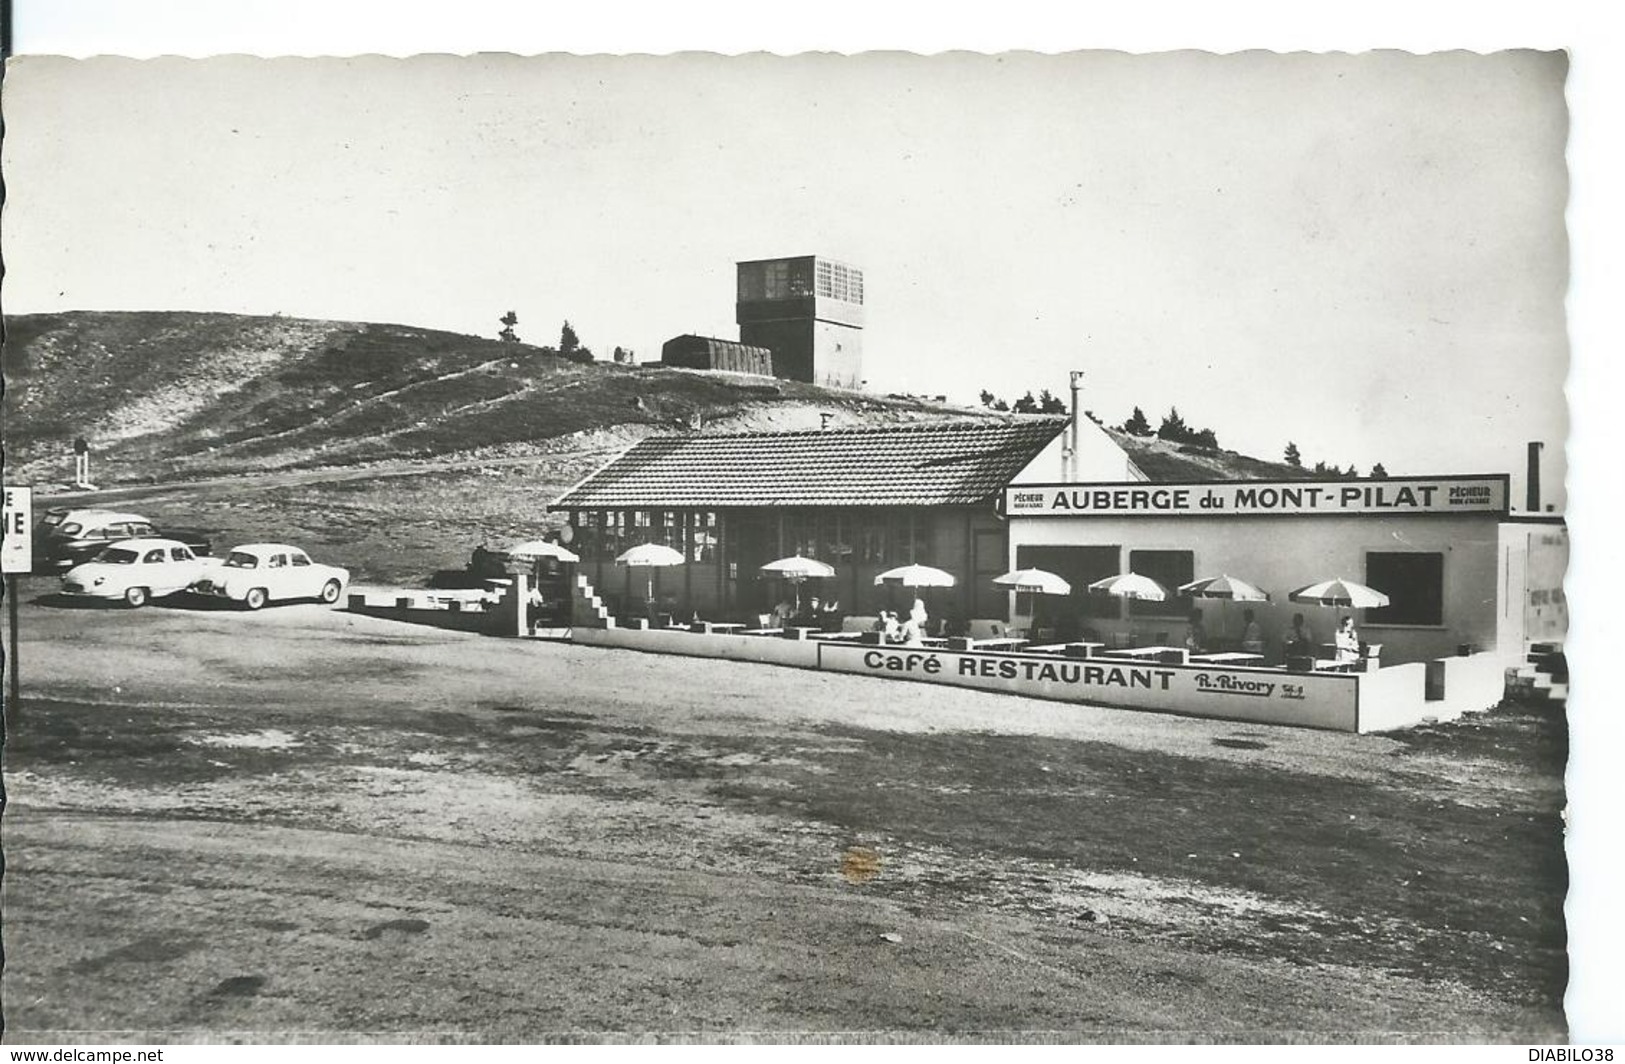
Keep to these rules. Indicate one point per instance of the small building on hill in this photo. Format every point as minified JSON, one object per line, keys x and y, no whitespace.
{"x":708,"y":352}
{"x":809,"y":311}
{"x":864,"y":500}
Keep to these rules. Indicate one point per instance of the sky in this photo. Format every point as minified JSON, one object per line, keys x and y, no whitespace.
{"x":1364,"y":254}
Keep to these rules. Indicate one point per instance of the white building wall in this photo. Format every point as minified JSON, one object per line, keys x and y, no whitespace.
{"x":1286,"y":552}
{"x":1099,"y":459}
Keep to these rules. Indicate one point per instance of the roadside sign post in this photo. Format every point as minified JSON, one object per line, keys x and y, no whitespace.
{"x":16,"y":556}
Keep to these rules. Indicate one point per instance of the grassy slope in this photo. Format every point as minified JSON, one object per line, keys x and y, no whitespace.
{"x":165,"y":395}
{"x":1164,"y":461}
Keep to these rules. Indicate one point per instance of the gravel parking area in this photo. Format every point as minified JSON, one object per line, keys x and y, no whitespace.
{"x":302,"y":824}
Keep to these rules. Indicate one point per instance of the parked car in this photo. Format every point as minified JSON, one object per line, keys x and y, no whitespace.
{"x":135,"y":570}
{"x":257,"y":573}
{"x":66,"y":537}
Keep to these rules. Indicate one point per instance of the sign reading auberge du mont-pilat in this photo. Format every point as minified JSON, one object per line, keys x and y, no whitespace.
{"x":1439,"y":495}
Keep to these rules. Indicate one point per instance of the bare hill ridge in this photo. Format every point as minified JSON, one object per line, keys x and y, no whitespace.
{"x":169,"y":395}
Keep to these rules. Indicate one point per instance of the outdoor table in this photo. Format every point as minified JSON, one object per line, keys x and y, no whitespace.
{"x":1166,"y":655}
{"x":1084,"y":650}
{"x":998,"y":644}
{"x":848,"y":636}
{"x":1048,"y":648}
{"x":797,"y":631}
{"x":1333,"y":665}
{"x":1234,"y":657}
{"x":721,"y":629}
{"x":934,"y":641}
{"x":763,"y":631}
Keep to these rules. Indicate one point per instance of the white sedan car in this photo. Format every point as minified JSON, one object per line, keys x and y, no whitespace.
{"x":135,"y":570}
{"x":257,"y":573}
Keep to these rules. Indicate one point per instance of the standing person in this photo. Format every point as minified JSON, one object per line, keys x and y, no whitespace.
{"x":1300,"y":642}
{"x":1347,"y":640}
{"x":917,"y":615}
{"x":81,"y":462}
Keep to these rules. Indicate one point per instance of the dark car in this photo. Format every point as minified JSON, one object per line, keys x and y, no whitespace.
{"x":65,"y":537}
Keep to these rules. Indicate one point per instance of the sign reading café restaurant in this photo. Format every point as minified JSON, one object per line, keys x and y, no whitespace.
{"x":1416,"y":495}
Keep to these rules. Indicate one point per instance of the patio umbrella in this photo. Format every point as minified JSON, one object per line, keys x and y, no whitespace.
{"x":541,"y":548}
{"x":799,"y":569}
{"x":1340,"y":592}
{"x":1224,"y":588}
{"x":1033,"y":582}
{"x":915,"y":576}
{"x":1130,"y":586}
{"x":650,"y":556}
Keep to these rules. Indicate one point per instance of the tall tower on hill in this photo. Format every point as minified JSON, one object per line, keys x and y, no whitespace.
{"x":809,"y":312}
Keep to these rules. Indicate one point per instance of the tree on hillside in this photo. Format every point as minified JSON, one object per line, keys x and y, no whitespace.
{"x":1292,"y":457}
{"x":1049,"y":404}
{"x":1378,"y":472}
{"x":1137,"y":425}
{"x":570,"y":345}
{"x":1205,"y":438}
{"x":1173,"y":427}
{"x":1025,"y":405}
{"x":507,"y":335}
{"x":988,"y":398}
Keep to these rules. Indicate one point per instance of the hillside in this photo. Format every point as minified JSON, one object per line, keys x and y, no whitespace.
{"x":182,"y":395}
{"x":1163,"y":461}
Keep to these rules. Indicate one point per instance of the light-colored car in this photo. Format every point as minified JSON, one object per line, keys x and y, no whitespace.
{"x":135,"y":570}
{"x":257,"y":573}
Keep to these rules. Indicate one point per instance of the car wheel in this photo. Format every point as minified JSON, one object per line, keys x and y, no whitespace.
{"x":256,"y":597}
{"x":136,"y":597}
{"x":330,"y":592}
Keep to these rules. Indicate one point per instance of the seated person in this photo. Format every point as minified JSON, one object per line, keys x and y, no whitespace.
{"x":1347,"y":640}
{"x":783,"y":611}
{"x":890,"y":630}
{"x":1252,"y":636}
{"x":829,"y":618}
{"x":1195,"y":634}
{"x":911,"y":635}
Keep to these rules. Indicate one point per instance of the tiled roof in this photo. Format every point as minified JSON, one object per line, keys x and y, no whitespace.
{"x":947,"y":463}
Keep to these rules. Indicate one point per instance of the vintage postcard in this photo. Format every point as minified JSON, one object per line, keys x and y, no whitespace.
{"x":967,"y":547}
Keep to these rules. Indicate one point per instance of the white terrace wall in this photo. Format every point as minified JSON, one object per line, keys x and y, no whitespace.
{"x":1265,"y":696}
{"x":765,"y":649}
{"x":1383,"y":700}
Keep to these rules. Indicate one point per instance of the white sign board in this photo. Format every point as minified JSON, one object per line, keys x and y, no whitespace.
{"x":1435,"y":495}
{"x":1266,"y":696}
{"x":16,"y":538}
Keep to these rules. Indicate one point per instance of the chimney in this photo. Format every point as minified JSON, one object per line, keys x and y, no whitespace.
{"x":1074,"y":436}
{"x":1532,"y":483}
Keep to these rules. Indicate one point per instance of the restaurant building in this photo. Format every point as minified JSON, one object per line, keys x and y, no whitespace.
{"x":1460,"y":570}
{"x":862,"y":499}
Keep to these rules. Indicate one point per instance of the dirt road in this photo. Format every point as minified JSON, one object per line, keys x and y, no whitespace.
{"x":305,"y":824}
